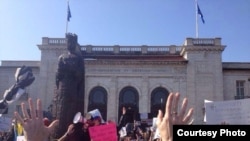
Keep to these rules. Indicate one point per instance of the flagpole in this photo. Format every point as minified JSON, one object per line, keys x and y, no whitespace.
{"x":66,"y":26}
{"x":67,"y":17}
{"x":196,"y":18}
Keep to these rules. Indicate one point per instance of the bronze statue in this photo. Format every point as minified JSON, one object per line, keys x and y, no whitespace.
{"x":69,"y":86}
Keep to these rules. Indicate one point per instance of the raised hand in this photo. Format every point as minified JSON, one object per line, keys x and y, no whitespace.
{"x":172,"y":117}
{"x":33,"y":125}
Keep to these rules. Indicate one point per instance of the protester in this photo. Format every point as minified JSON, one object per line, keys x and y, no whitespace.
{"x":123,"y":119}
{"x":33,"y":125}
{"x":127,"y":117}
{"x":79,"y":131}
{"x":172,"y":116}
{"x":75,"y":132}
{"x":97,"y":120}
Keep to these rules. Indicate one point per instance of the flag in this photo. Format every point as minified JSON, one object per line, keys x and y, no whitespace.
{"x":68,"y":14}
{"x":200,"y":13}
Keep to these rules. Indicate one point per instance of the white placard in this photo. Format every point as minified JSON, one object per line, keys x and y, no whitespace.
{"x":123,"y":132}
{"x":20,"y":138}
{"x":230,"y":112}
{"x":95,"y":113}
{"x":206,"y":101}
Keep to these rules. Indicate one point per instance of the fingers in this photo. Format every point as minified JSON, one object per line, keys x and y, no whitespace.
{"x":34,"y":113}
{"x":39,"y":109}
{"x":188,"y":115}
{"x":183,"y":108}
{"x":169,"y":105}
{"x":32,"y":109}
{"x":190,"y":122}
{"x":175,"y":103}
{"x":24,"y":110}
{"x":172,"y":109}
{"x":18,"y":117}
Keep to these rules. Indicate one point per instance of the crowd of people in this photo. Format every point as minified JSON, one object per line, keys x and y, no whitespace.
{"x":34,"y":127}
{"x":6,"y":136}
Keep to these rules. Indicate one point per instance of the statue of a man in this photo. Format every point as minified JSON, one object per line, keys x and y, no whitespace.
{"x":69,"y":86}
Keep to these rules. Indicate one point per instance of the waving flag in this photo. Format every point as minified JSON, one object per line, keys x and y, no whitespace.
{"x":200,"y":13}
{"x":68,"y":16}
{"x":69,"y":13}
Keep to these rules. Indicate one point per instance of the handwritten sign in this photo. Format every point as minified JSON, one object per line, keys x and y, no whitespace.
{"x":230,"y":112}
{"x":106,"y":132}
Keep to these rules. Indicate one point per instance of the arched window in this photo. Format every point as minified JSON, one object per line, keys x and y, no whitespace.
{"x":98,"y":100}
{"x":129,"y":98}
{"x":158,"y":100}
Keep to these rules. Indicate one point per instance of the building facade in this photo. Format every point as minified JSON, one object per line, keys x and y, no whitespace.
{"x":140,"y":77}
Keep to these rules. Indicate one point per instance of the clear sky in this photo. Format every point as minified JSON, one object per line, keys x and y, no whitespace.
{"x":23,"y":23}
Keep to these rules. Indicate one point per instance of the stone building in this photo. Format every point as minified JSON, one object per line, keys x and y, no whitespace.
{"x":140,"y":77}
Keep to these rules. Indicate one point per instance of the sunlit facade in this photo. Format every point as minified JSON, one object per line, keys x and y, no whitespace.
{"x":140,"y":77}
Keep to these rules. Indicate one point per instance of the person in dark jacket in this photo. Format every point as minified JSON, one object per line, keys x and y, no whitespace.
{"x":122,"y":121}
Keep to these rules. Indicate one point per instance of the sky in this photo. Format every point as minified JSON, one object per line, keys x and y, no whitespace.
{"x":23,"y":23}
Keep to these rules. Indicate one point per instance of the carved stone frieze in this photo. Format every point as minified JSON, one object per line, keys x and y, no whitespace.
{"x":139,"y":62}
{"x":127,"y":70}
{"x":180,"y":78}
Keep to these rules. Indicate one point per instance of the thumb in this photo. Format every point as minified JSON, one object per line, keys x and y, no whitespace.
{"x":53,"y":125}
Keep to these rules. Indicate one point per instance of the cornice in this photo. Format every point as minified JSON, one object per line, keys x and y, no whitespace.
{"x":211,"y":49}
{"x":49,"y":47}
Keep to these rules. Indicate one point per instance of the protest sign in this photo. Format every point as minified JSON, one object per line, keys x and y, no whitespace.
{"x":105,"y":132}
{"x":229,"y":112}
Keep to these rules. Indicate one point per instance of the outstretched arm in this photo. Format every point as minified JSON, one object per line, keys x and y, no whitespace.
{"x":34,"y":128}
{"x":68,"y":134}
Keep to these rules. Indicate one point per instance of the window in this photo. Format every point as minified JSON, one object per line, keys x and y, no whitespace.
{"x":129,"y":95}
{"x":129,"y":98}
{"x":158,"y":100}
{"x":98,"y":100}
{"x":240,"y":89}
